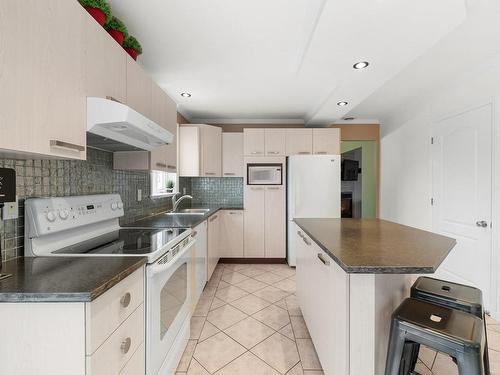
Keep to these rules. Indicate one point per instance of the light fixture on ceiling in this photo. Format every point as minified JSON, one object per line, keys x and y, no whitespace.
{"x":348,"y":118}
{"x":361,"y":65}
{"x":186,"y":95}
{"x":342,"y":104}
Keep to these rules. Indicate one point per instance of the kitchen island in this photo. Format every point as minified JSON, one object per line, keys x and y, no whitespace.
{"x":351,"y":276}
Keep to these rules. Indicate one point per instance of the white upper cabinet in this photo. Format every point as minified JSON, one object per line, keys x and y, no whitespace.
{"x":200,"y":150}
{"x":299,"y":141}
{"x":139,"y":88}
{"x":106,"y":64}
{"x":275,"y":142}
{"x":42,"y":79}
{"x":254,"y":142}
{"x":326,"y":141}
{"x":232,"y":154}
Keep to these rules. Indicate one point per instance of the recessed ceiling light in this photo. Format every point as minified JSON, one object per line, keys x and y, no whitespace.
{"x":348,"y":118}
{"x":186,"y":95}
{"x":361,"y":65}
{"x":342,"y":104}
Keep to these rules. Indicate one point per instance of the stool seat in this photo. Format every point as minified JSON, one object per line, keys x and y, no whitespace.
{"x":454,"y":332}
{"x":446,"y":293}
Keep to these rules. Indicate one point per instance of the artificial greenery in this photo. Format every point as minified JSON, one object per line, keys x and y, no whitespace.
{"x":98,"y":4}
{"x":131,"y":42}
{"x":116,"y":24}
{"x":170,"y":183}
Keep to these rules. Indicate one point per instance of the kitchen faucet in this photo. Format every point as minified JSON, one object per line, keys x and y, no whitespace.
{"x":176,"y":202}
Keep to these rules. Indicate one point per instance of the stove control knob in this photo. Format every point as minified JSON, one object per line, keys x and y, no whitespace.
{"x":114,"y":206}
{"x":51,"y":216}
{"x":120,"y":205}
{"x":63,"y":214}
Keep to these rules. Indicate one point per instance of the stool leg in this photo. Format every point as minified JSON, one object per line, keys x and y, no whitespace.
{"x":394,"y":350}
{"x":409,"y":358}
{"x":470,"y":364}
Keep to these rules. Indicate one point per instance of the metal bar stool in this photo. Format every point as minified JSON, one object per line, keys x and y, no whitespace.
{"x":458,"y":334}
{"x":456,"y":296}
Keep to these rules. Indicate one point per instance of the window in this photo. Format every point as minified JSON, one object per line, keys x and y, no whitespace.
{"x":163,"y":183}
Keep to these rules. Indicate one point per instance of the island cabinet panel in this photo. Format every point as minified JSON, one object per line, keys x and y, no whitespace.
{"x":139,"y":88}
{"x":326,"y":141}
{"x":299,"y":142}
{"x":323,"y":293}
{"x":42,"y":79}
{"x":254,"y":225}
{"x":106,"y":63}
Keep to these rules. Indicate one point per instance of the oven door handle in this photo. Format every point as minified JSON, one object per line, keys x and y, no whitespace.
{"x":157,"y":268}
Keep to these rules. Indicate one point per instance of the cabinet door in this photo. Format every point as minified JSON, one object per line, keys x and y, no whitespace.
{"x":275,"y":223}
{"x":164,"y":113}
{"x":232,"y":154}
{"x":211,"y":155}
{"x":275,"y":142}
{"x":201,"y":236}
{"x":298,"y":141}
{"x":232,"y":234}
{"x":105,"y":63}
{"x":170,"y":123}
{"x":254,"y":142}
{"x":139,"y":88}
{"x":213,"y":244}
{"x":254,"y":228}
{"x":42,"y":78}
{"x":189,"y":151}
{"x":326,"y":141}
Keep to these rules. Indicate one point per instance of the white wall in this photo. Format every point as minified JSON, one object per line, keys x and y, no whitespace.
{"x":406,"y":179}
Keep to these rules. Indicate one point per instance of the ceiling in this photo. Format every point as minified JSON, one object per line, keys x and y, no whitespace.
{"x":282,"y":60}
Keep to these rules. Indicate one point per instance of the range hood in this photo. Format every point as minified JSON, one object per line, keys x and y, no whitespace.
{"x":113,"y":126}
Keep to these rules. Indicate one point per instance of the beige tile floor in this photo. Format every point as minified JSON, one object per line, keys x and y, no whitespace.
{"x":248,"y":322}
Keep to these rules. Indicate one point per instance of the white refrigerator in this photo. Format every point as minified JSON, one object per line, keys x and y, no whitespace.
{"x":313,"y":191}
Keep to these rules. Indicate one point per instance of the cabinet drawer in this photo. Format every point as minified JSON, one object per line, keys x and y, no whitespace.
{"x":114,"y":354}
{"x":136,"y":365}
{"x":108,"y":311}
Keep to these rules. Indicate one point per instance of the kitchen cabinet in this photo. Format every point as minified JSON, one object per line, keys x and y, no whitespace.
{"x":106,"y":64}
{"x":326,"y":141}
{"x":254,"y":142}
{"x":139,"y":88}
{"x":105,"y":336}
{"x":213,"y":250}
{"x":325,"y":310}
{"x":200,"y":261}
{"x":275,"y":222}
{"x":254,"y":225}
{"x":232,"y":154}
{"x":200,"y":150}
{"x":275,"y":142}
{"x":299,"y":142}
{"x":42,"y":79}
{"x":231,"y":245}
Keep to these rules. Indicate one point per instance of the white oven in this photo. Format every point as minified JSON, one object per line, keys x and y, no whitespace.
{"x":264,"y":174}
{"x":168,"y":295}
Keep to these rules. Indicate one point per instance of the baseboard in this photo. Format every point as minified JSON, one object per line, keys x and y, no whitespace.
{"x":253,"y":260}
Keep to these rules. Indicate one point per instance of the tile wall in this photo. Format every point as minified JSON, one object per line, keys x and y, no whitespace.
{"x":213,"y":190}
{"x":44,"y":178}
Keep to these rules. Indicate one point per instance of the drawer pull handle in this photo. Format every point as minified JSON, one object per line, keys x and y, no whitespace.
{"x":273,"y":188}
{"x":210,"y":173}
{"x":301,"y":235}
{"x":113,"y":99}
{"x":125,"y":300}
{"x":171,"y":166}
{"x":70,"y":146}
{"x":273,"y":152}
{"x":229,"y":174}
{"x":212,"y":219}
{"x":321,"y":152}
{"x":304,"y":153}
{"x":125,"y":346}
{"x":326,"y":262}
{"x":194,"y":233}
{"x":308,"y":243}
{"x":162,"y":165}
{"x":234,"y":213}
{"x":256,"y":152}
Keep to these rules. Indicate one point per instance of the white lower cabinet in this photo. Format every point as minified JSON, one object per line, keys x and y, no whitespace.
{"x":231,"y":244}
{"x":213,"y":250}
{"x":323,"y":293}
{"x":275,"y":223}
{"x":200,"y":260}
{"x":254,"y":226}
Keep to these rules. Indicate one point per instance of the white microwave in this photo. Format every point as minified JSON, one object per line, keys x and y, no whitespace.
{"x":265,"y":174}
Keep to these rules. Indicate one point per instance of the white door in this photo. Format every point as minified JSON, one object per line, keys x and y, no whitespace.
{"x":462,"y":194}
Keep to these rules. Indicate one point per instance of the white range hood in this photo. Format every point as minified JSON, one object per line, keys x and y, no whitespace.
{"x":113,"y":126}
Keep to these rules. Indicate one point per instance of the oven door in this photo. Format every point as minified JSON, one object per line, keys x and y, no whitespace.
{"x":265,"y":174}
{"x":168,"y":290}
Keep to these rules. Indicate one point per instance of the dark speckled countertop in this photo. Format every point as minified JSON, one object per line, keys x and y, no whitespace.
{"x":180,"y":221}
{"x":378,"y":246}
{"x":64,"y":279}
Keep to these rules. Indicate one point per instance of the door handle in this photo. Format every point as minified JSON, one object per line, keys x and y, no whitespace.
{"x":322,"y":258}
{"x":162,"y":165}
{"x":482,"y":224}
{"x":67,"y":145}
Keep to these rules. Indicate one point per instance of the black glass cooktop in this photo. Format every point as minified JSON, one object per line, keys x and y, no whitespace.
{"x":126,"y":242}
